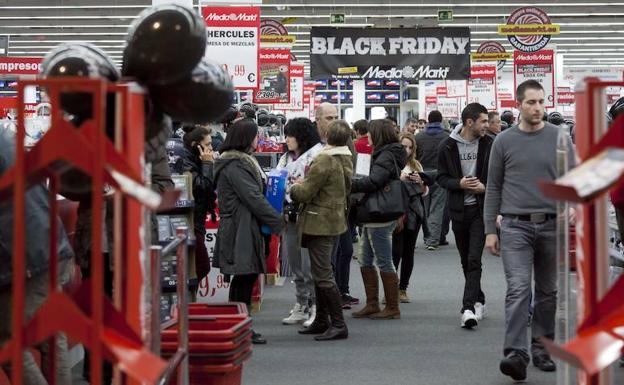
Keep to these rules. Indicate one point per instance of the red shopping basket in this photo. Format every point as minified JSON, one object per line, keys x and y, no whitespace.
{"x":219,"y":310}
{"x":233,"y":357}
{"x":227,"y":374}
{"x":212,"y":348}
{"x":208,"y":329}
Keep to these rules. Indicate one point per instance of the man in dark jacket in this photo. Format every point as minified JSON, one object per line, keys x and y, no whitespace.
{"x":36,"y":254}
{"x":427,"y":143}
{"x":462,"y":170}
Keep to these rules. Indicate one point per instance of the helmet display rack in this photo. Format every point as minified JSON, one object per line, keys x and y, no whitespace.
{"x":599,"y":338}
{"x":115,"y":330}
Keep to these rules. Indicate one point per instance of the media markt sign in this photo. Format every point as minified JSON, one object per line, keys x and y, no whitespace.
{"x":337,"y":18}
{"x":528,"y":29}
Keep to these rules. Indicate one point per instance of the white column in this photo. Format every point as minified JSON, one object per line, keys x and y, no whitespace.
{"x":359,"y":100}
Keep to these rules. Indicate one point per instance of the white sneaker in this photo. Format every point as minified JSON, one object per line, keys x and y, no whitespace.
{"x":297,"y":315}
{"x":480,"y":311}
{"x":468,"y":319}
{"x":311,"y":318}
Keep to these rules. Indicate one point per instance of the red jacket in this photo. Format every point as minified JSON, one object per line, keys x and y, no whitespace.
{"x":362,"y":146}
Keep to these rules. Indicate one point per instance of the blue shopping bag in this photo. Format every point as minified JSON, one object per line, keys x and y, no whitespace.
{"x":275,"y":192}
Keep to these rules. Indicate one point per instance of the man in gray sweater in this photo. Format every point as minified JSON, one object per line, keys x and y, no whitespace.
{"x":520,"y":156}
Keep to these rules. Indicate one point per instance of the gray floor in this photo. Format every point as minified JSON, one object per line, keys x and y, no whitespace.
{"x":426,"y":346}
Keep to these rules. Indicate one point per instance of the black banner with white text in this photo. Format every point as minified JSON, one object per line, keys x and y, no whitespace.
{"x":379,"y":53}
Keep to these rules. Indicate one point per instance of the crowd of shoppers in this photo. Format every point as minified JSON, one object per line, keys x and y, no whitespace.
{"x":477,"y":176}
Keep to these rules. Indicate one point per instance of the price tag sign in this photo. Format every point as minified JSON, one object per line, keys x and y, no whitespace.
{"x":234,"y":40}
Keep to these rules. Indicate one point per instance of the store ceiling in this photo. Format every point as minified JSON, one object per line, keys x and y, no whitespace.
{"x":592,"y":32}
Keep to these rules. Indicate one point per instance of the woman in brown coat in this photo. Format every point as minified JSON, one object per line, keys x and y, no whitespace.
{"x":323,"y":194}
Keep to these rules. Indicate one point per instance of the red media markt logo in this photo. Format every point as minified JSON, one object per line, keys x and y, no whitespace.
{"x":528,"y":16}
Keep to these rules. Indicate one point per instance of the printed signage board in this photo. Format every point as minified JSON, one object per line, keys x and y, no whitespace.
{"x":10,"y":65}
{"x":395,"y":53}
{"x":538,"y":66}
{"x":234,"y":41}
{"x":491,"y":51}
{"x":482,"y":87}
{"x":296,"y":89}
{"x":274,"y":82}
{"x":528,"y":29}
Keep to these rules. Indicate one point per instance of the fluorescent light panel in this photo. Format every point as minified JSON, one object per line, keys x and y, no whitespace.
{"x":433,"y":5}
{"x":455,"y":15}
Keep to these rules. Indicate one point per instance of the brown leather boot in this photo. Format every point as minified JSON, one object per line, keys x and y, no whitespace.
{"x":371,"y":287}
{"x":391,"y":290}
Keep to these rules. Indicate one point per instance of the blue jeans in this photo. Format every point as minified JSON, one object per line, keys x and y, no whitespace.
{"x":376,"y":246}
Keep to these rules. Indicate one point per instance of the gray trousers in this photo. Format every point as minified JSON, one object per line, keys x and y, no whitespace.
{"x":35,"y":295}
{"x":435,"y":202}
{"x":528,"y":247}
{"x":299,"y":261}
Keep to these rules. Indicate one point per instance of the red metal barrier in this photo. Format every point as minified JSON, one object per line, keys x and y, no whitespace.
{"x":114,"y":333}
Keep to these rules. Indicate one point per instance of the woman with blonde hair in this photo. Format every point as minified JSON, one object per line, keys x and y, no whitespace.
{"x":404,"y":238}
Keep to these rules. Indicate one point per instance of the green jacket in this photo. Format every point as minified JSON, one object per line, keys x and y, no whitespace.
{"x":324,"y":193}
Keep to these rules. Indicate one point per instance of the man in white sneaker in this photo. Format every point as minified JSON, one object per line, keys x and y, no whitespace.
{"x":462,"y":170}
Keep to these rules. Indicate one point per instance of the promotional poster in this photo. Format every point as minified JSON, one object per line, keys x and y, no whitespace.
{"x":296,"y":88}
{"x":234,"y":38}
{"x":274,"y":82}
{"x":482,"y":87}
{"x":394,"y":53}
{"x":538,"y":66}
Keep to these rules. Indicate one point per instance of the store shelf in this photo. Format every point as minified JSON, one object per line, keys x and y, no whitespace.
{"x":189,"y":242}
{"x":180,"y":208}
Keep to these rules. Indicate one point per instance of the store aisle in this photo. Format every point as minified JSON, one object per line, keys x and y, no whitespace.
{"x":425,"y":347}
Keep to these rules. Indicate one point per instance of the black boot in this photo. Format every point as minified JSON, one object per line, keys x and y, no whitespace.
{"x":321,"y":321}
{"x":333,"y":302}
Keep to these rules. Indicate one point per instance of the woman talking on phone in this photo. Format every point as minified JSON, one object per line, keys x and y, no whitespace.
{"x":198,"y":159}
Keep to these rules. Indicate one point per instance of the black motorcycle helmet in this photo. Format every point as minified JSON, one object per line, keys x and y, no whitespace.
{"x":263,"y":119}
{"x":202,"y":97}
{"x":164,"y":44}
{"x":616,"y":109}
{"x":248,"y":110}
{"x":83,"y":60}
{"x":507,"y":117}
{"x":555,"y":118}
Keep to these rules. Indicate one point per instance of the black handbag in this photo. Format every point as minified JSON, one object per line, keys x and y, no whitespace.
{"x":386,"y":204}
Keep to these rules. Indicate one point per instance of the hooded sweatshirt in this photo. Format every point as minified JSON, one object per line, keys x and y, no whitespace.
{"x":468,"y":151}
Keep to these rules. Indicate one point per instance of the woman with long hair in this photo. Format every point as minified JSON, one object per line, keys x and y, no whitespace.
{"x":198,"y":159}
{"x":388,"y":159}
{"x":404,"y":238}
{"x":301,"y":136}
{"x":243,"y":209}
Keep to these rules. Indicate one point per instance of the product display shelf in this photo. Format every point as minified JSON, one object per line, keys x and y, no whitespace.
{"x":179,"y":216}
